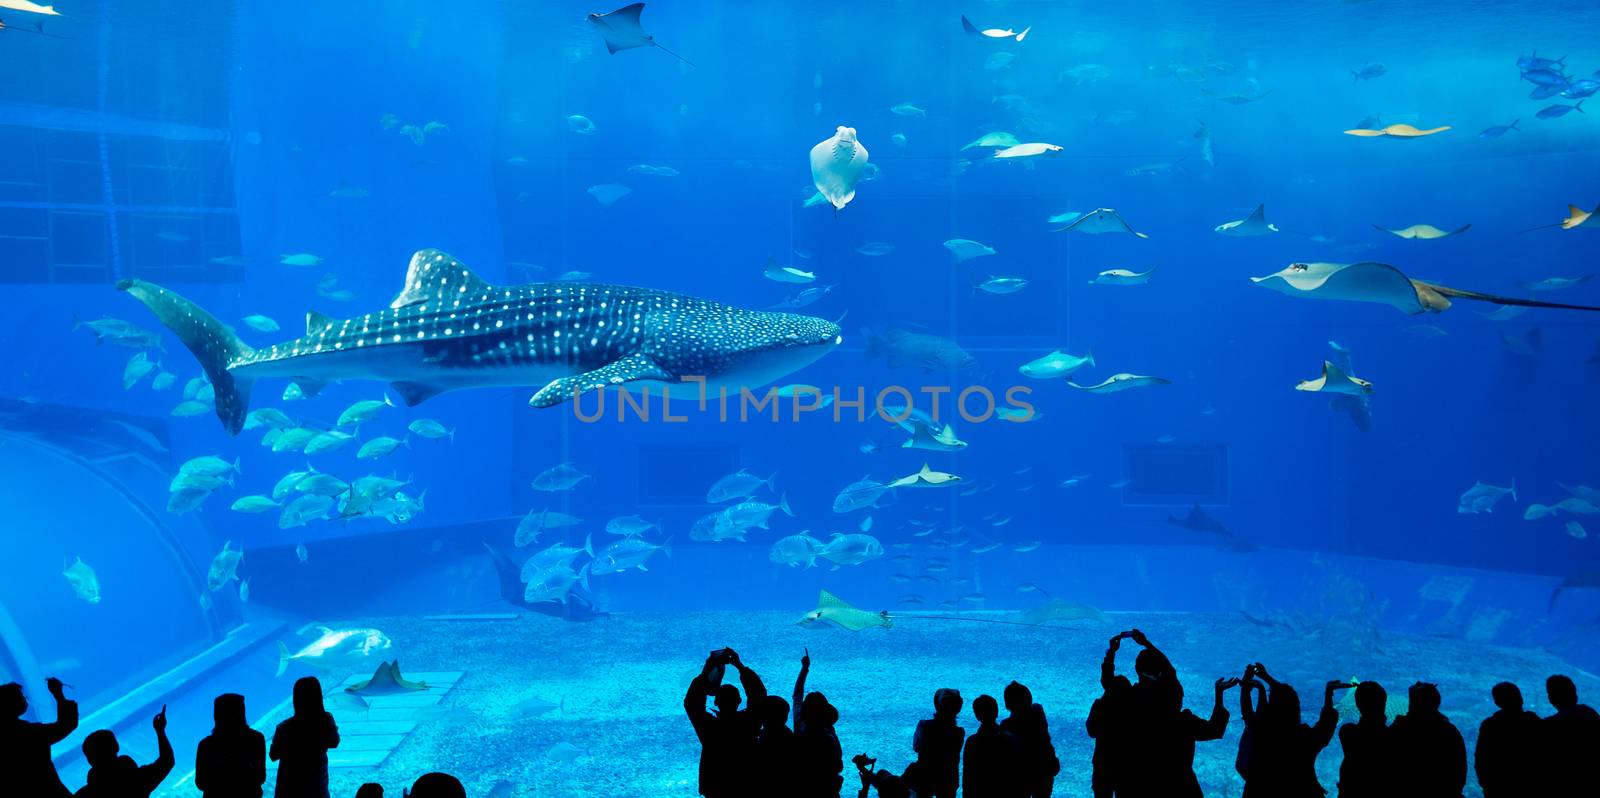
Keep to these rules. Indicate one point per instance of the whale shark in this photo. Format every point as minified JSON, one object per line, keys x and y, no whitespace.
{"x":450,"y":329}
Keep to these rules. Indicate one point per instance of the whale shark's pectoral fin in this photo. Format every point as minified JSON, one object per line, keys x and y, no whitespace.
{"x":632,"y":368}
{"x":415,"y":393}
{"x":309,"y":387}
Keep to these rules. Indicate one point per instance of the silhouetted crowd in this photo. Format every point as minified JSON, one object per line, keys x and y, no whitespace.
{"x":1144,"y":743}
{"x":1145,"y":740}
{"x":230,"y":763}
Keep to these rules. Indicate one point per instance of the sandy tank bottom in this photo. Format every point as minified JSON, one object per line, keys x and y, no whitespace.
{"x":619,"y":729}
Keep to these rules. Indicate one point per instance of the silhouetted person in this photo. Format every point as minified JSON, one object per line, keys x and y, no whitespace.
{"x":232,"y":762}
{"x":1110,"y":717}
{"x":301,"y":742}
{"x":25,"y":764}
{"x":1571,"y":738}
{"x":989,"y":763}
{"x":1037,"y":763}
{"x":1166,"y":733}
{"x":887,"y":784}
{"x":1365,"y":771}
{"x":1508,"y":751}
{"x":819,"y":763}
{"x":1144,"y":742}
{"x":437,"y":785}
{"x":937,"y":742}
{"x":728,"y":736}
{"x":775,"y":752}
{"x":1430,"y":758}
{"x":1280,"y":758}
{"x":113,"y":775}
{"x":370,"y":790}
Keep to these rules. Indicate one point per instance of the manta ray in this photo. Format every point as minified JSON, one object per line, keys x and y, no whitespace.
{"x":622,"y":31}
{"x":1401,"y":131}
{"x":1253,"y":225}
{"x":450,"y":329}
{"x":386,"y":680}
{"x":1383,"y":284}
{"x":1422,"y":232}
{"x":1099,"y":220}
{"x":579,"y":606}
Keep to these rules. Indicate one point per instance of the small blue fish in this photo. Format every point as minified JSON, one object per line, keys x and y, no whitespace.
{"x":1557,"y":111}
{"x":1497,"y":131}
{"x":1544,"y":77}
{"x":1546,"y":92}
{"x":1579,"y":89}
{"x":1535,"y":62}
{"x":1369,"y":72}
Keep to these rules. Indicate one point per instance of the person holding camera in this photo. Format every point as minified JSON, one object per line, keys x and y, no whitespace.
{"x":25,"y":764}
{"x":728,"y":735}
{"x":887,"y":784}
{"x":1278,"y":752}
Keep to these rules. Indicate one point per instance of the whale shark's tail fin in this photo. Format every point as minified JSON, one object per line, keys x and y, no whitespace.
{"x":213,"y":343}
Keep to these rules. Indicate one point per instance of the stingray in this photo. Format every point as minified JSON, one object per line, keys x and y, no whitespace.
{"x":1590,"y":580}
{"x":1576,"y":218}
{"x":834,"y":611}
{"x":1099,"y":220}
{"x":993,"y":33}
{"x":1401,"y":131}
{"x":1422,"y":232}
{"x":386,"y":680}
{"x":1358,"y":408}
{"x":622,"y":31}
{"x":837,"y":163}
{"x":1121,"y":382}
{"x":25,"y":5}
{"x":1253,"y":225}
{"x":1122,"y":277}
{"x":1198,"y":521}
{"x":1383,"y":284}
{"x":1334,"y":380}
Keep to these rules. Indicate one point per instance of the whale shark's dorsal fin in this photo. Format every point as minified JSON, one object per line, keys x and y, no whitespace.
{"x":1258,"y":215}
{"x":318,"y":322}
{"x":436,"y":275}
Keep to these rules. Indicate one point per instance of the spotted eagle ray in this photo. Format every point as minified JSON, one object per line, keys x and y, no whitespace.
{"x":622,"y":31}
{"x":450,"y":329}
{"x":1383,"y":284}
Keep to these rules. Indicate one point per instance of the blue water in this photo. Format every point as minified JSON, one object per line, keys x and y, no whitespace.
{"x":195,"y":145}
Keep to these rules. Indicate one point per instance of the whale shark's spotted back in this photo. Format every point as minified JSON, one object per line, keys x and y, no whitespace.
{"x":450,"y":329}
